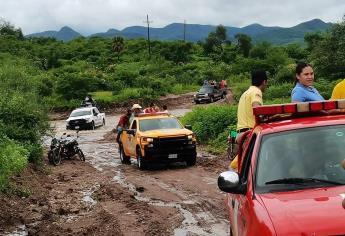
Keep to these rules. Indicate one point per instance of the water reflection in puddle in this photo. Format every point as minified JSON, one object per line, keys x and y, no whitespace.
{"x":190,"y":223}
{"x":87,"y":195}
{"x":19,"y":231}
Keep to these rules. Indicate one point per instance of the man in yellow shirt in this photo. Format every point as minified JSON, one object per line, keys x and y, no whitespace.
{"x":339,"y":91}
{"x":252,"y":97}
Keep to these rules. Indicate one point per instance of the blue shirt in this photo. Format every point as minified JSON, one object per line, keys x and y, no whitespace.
{"x":301,"y":93}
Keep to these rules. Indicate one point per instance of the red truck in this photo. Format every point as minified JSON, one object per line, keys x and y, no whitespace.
{"x":290,"y":179}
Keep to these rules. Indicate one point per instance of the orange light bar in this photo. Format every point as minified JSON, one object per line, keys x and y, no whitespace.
{"x":301,"y":107}
{"x":152,"y":114}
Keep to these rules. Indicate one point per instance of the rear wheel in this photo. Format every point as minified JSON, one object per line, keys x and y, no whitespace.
{"x":81,"y":155}
{"x":141,"y":162}
{"x":92,"y":125}
{"x":56,"y":156}
{"x":50,"y":156}
{"x":191,"y":162}
{"x":124,"y":158}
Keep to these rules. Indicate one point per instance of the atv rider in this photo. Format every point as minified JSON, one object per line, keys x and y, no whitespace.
{"x":88,"y":101}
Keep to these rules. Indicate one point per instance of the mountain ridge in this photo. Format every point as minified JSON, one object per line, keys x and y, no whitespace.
{"x":198,"y":32}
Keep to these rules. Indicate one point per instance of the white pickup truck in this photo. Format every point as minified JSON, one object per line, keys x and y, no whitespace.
{"x":85,"y":118}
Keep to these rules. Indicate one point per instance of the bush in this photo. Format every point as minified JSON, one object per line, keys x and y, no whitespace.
{"x":286,"y":74}
{"x":278,"y":91}
{"x":23,"y":118}
{"x":239,"y":84}
{"x":208,"y":122}
{"x":13,"y":159}
{"x":325,"y":87}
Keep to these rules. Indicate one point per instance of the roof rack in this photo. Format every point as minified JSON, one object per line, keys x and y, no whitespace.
{"x":268,"y":113}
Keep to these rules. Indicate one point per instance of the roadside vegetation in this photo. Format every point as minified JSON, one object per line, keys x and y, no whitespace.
{"x":38,"y":75}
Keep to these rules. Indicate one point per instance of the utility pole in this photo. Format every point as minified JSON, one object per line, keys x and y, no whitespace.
{"x":148,"y":33}
{"x":184,"y":31}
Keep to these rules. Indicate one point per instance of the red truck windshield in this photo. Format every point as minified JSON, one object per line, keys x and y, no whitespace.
{"x":309,"y":153}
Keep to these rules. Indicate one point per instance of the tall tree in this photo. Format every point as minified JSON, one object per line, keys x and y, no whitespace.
{"x":244,"y":44}
{"x":328,"y":53}
{"x":6,"y":29}
{"x":118,"y":46}
{"x":312,"y":38}
{"x":216,"y":40}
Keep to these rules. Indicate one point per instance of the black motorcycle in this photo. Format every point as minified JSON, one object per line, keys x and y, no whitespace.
{"x":64,"y":147}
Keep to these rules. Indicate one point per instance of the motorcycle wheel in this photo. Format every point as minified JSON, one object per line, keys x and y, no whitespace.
{"x":56,"y":156}
{"x":50,"y":156}
{"x":81,"y":155}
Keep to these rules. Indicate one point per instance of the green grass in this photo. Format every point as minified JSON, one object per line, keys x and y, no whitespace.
{"x":138,"y":93}
{"x":106,"y":96}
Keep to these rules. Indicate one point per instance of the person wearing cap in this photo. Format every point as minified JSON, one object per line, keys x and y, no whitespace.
{"x":339,"y":91}
{"x":251,"y":98}
{"x":123,"y":123}
{"x":304,"y":90}
{"x":136,"y":109}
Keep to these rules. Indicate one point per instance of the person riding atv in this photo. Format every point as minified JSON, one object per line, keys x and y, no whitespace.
{"x":88,"y":102}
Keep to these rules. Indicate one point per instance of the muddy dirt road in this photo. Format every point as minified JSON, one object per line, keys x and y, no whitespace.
{"x":104,"y":197}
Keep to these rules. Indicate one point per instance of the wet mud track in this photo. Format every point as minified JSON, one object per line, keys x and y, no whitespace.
{"x":104,"y":197}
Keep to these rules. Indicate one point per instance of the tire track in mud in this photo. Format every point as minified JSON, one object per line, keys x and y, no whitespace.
{"x":197,"y":210}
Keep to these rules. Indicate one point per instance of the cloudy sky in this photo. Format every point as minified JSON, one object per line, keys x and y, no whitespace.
{"x":92,"y":16}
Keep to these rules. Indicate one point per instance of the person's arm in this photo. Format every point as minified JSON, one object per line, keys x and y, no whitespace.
{"x":256,"y":104}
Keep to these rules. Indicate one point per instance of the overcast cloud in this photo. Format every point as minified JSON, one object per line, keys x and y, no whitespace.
{"x":92,"y":16}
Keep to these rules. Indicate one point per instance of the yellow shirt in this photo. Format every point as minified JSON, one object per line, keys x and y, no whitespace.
{"x":339,"y":91}
{"x":245,"y":116}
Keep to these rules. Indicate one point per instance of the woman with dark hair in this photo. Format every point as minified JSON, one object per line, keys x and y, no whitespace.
{"x":304,"y":90}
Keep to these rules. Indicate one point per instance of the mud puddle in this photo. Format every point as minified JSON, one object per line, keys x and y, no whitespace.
{"x":189,"y":195}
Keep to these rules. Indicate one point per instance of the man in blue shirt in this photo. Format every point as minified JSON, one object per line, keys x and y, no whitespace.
{"x":304,"y":90}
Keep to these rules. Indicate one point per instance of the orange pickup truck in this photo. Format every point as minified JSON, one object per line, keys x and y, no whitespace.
{"x":157,"y":137}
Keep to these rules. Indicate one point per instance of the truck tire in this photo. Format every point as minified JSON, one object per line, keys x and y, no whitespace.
{"x":123,"y":157}
{"x":92,"y":127}
{"x":141,"y":163}
{"x":191,"y":162}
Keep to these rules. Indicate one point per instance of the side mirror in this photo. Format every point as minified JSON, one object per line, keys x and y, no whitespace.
{"x":131,"y":131}
{"x":229,"y":182}
{"x":188,"y":127}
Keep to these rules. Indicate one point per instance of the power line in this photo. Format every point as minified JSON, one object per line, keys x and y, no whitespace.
{"x":148,"y":33}
{"x":184,"y":30}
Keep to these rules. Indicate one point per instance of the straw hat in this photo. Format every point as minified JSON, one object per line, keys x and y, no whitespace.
{"x":135,"y":106}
